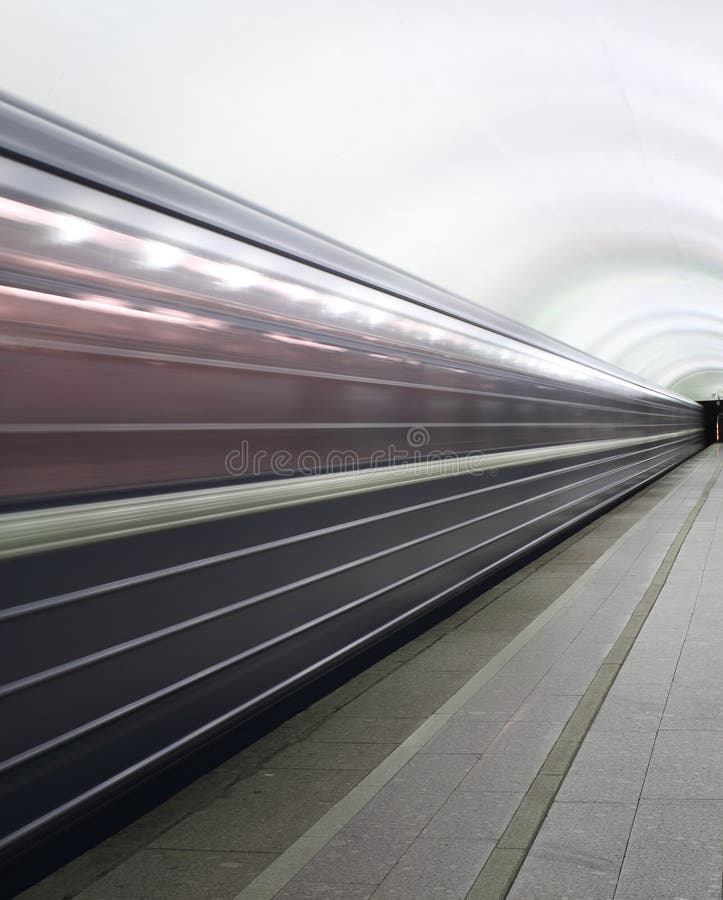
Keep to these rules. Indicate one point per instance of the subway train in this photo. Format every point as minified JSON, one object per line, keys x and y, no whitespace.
{"x":235,"y":453}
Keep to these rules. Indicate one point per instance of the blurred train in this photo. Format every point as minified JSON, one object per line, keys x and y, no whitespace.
{"x":234,"y":453}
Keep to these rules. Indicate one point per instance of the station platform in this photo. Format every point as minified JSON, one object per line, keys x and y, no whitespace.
{"x":559,"y":737}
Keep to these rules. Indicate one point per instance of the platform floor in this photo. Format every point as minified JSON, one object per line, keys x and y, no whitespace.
{"x":560,"y":737}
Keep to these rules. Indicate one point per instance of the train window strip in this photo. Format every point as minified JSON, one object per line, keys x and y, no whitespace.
{"x":122,"y":427}
{"x":92,"y":216}
{"x":659,"y":408}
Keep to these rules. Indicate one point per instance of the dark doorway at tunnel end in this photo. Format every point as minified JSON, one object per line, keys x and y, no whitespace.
{"x":712,"y":409}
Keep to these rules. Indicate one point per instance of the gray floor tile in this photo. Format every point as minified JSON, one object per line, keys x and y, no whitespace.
{"x":554,"y":640}
{"x":296,"y":890}
{"x":178,"y":875}
{"x":542,"y":707}
{"x":477,"y":815}
{"x":521,"y":735}
{"x":651,"y":661}
{"x":632,"y":707}
{"x":693,"y":709}
{"x":356,"y":855}
{"x":542,"y":587}
{"x":576,"y":569}
{"x":188,"y":800}
{"x":674,"y":852}
{"x":587,"y":646}
{"x":72,"y":878}
{"x":704,"y":624}
{"x":585,"y":552}
{"x":606,"y":625}
{"x":577,"y":853}
{"x":592,"y":590}
{"x":570,"y":620}
{"x":415,"y":794}
{"x":366,"y":730}
{"x":464,"y":736}
{"x":311,"y":754}
{"x":514,"y":758}
{"x":234,"y":824}
{"x":609,"y":767}
{"x":443,"y":770}
{"x":574,"y":672}
{"x":700,"y":665}
{"x":401,"y":807}
{"x":267,"y":745}
{"x":686,"y":766}
{"x":620,"y":603}
{"x":527,"y":667}
{"x":435,"y":869}
{"x":273,"y":785}
{"x":465,"y":639}
{"x":498,"y":621}
{"x":496,"y":701}
{"x":407,"y":697}
{"x":463,"y":657}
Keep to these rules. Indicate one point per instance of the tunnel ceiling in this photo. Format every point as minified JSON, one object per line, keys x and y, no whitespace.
{"x":557,"y":162}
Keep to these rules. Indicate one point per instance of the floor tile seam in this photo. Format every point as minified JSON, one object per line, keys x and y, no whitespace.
{"x":279,"y":873}
{"x":663,"y":798}
{"x":124,"y":858}
{"x":628,"y":802}
{"x":148,"y":845}
{"x":205,"y":850}
{"x":589,"y":717}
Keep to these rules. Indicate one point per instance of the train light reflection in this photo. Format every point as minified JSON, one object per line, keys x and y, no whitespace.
{"x":72,"y":229}
{"x":158,"y":255}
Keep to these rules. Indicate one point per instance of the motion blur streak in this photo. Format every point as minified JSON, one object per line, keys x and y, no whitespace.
{"x":227,"y":468}
{"x":144,"y":336}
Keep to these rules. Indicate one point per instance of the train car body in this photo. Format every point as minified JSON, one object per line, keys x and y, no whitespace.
{"x":234,"y":453}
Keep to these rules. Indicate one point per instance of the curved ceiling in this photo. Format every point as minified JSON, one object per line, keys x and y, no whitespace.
{"x":557,"y":162}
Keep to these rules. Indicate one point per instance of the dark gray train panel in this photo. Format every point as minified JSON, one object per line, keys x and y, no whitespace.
{"x":225,"y":469}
